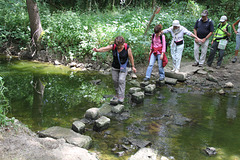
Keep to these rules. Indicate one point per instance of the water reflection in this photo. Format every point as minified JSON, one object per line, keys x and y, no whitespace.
{"x":38,"y":93}
{"x":43,"y":96}
{"x":232,"y":107}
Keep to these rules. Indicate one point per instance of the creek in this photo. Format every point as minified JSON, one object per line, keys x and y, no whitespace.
{"x":43,"y":95}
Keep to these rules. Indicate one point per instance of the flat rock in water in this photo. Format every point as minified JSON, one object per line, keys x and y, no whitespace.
{"x":139,"y":143}
{"x":69,"y":135}
{"x":145,"y":154}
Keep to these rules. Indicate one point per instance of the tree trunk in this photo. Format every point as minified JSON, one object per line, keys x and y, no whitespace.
{"x":113,"y":2}
{"x":35,"y":22}
{"x":153,"y":4}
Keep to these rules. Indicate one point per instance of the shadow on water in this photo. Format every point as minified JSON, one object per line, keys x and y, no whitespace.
{"x":178,"y":121}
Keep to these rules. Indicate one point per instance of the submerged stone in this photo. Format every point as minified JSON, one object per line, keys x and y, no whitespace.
{"x":210,"y":151}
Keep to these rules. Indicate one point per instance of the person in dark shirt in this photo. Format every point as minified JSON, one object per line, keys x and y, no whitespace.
{"x":203,"y":29}
{"x":121,"y":53}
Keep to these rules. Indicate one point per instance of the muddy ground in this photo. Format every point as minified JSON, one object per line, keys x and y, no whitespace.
{"x":21,"y":143}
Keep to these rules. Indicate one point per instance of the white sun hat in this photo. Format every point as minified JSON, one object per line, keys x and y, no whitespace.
{"x":176,"y":23}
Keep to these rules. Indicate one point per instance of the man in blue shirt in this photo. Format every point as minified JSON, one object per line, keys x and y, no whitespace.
{"x":203,"y":29}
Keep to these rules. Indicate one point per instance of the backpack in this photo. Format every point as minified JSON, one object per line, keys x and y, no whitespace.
{"x":164,"y":60}
{"x":123,"y":67}
{"x":114,"y":46}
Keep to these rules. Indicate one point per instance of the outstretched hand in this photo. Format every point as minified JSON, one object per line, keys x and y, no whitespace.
{"x":95,"y":49}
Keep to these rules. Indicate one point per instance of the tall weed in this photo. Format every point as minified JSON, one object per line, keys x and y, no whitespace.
{"x":4,"y":104}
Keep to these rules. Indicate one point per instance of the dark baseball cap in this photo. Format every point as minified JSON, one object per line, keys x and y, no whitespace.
{"x":204,"y":13}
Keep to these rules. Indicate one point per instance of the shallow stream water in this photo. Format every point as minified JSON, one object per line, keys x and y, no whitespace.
{"x":42,"y":95}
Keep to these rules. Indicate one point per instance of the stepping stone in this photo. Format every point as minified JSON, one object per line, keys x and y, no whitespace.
{"x":170,"y":81}
{"x":138,"y":97}
{"x":118,"y":108}
{"x":134,"y":90}
{"x":69,"y":135}
{"x":92,"y":113}
{"x":101,"y":124}
{"x":78,"y":127}
{"x":181,"y":76}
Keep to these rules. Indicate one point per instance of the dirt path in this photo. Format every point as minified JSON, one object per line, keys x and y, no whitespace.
{"x":229,"y":72}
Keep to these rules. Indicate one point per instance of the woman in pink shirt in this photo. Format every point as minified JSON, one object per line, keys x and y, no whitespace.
{"x":158,"y":49}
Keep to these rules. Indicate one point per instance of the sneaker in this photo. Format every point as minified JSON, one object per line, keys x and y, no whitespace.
{"x":200,"y":65}
{"x":173,"y":70}
{"x":177,"y":71}
{"x":146,"y":79}
{"x":195,"y":64}
{"x":120,"y":100}
{"x":234,"y":60}
{"x":217,"y":67}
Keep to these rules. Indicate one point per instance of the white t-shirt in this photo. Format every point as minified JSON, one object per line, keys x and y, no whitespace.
{"x":238,"y":27}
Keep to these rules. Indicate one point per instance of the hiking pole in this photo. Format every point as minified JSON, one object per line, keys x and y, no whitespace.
{"x":157,"y":10}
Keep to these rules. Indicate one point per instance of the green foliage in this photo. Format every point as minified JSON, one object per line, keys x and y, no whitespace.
{"x":4,"y":104}
{"x":73,"y":33}
{"x":14,"y":22}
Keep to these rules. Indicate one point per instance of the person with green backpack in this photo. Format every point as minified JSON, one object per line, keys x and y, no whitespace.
{"x":121,"y":54}
{"x":219,"y":42}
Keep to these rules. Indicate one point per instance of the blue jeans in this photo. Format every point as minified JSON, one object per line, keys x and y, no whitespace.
{"x":237,"y":41}
{"x":151,"y":64}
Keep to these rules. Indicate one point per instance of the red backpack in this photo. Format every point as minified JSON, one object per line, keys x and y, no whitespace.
{"x":114,"y":46}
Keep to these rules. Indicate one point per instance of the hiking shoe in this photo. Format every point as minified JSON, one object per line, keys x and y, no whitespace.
{"x":200,"y":65}
{"x":114,"y":100}
{"x":234,"y":60}
{"x":217,"y":67}
{"x":161,"y":79}
{"x":209,"y":65}
{"x":195,"y":64}
{"x":120,"y":100}
{"x":146,"y":79}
